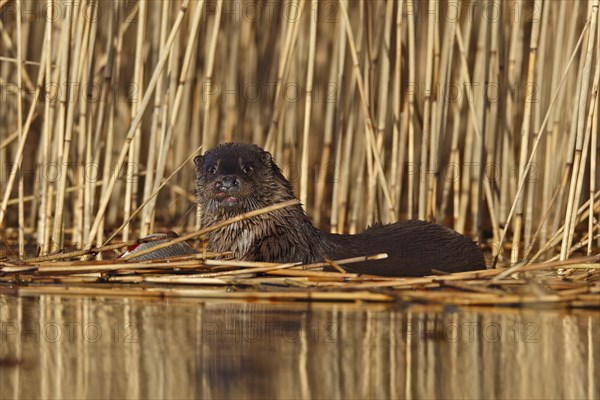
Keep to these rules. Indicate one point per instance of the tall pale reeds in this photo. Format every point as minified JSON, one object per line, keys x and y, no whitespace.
{"x":480,"y":116}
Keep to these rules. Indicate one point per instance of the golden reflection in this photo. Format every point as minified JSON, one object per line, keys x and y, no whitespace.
{"x":71,"y":347}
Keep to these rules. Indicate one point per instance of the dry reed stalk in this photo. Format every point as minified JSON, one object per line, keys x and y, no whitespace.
{"x":481,"y":151}
{"x":579,"y":245}
{"x":593,"y":157}
{"x":467,"y":175}
{"x":528,"y":164}
{"x":345,"y":261}
{"x":471,"y":190}
{"x":370,"y":136}
{"x":154,"y":128}
{"x":179,"y":280}
{"x":584,"y":153}
{"x":314,"y":9}
{"x":152,"y":195}
{"x":344,"y":197}
{"x":124,"y":266}
{"x":284,"y":65}
{"x":463,"y":197}
{"x":445,"y":72}
{"x":78,"y":126}
{"x":385,"y":55}
{"x":21,"y":211}
{"x":510,"y":137}
{"x":325,"y":175}
{"x":412,"y":67}
{"x":553,"y":128}
{"x":133,"y":151}
{"x":246,"y":271}
{"x":579,"y":160}
{"x":137,"y":120}
{"x":100,"y":123}
{"x":335,"y":193}
{"x":24,"y":132}
{"x":83,"y":131}
{"x":535,"y":122}
{"x":357,"y":195}
{"x":398,"y":125}
{"x":240,"y":264}
{"x":582,"y":213}
{"x":323,"y":275}
{"x":79,"y":187}
{"x":94,"y":250}
{"x":570,"y":141}
{"x":495,"y":121}
{"x":209,"y":73}
{"x":522,"y":267}
{"x":363,"y":62}
{"x":11,"y":138}
{"x":543,"y":221}
{"x":87,"y":145}
{"x":424,"y":181}
{"x":434,"y":155}
{"x":214,"y":227}
{"x":63,"y":136}
{"x":111,"y":74}
{"x":154,"y":292}
{"x":344,"y":144}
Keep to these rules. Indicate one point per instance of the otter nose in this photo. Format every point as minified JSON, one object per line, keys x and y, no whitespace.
{"x":227,"y":183}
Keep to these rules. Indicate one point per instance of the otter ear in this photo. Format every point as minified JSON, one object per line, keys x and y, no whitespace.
{"x":199,"y":161}
{"x":267,"y":157}
{"x":272,"y":165}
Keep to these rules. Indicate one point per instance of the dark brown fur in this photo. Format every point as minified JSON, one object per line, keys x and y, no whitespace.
{"x":234,"y":178}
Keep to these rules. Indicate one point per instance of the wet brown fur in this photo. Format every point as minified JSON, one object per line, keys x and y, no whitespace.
{"x":287,"y":235}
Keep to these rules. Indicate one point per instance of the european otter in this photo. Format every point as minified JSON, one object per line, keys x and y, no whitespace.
{"x":234,"y":178}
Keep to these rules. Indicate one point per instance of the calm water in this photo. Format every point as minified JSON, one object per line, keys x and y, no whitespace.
{"x":71,"y":347}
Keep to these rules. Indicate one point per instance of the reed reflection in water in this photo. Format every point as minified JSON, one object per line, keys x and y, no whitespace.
{"x":71,"y":347}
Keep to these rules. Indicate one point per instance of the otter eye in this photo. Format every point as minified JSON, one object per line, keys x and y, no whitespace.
{"x":247,"y":169}
{"x":211,"y":170}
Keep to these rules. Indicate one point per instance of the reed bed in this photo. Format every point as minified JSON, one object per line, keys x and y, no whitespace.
{"x":482,"y":116}
{"x":204,"y":277}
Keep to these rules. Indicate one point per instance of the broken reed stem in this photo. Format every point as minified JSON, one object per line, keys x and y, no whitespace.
{"x":94,"y":250}
{"x":466,"y":288}
{"x":214,"y":227}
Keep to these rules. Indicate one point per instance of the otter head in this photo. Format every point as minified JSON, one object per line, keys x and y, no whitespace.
{"x":239,"y":177}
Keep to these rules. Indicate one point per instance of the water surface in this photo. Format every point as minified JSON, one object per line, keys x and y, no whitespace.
{"x":76,"y":347}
